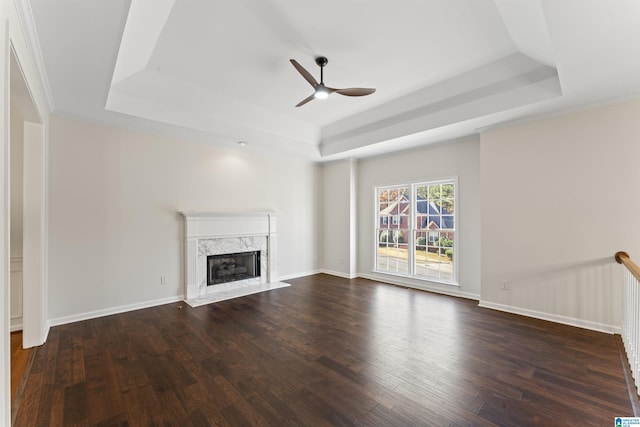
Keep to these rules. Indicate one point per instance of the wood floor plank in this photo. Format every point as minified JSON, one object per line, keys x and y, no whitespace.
{"x":75,"y":405}
{"x":382,"y":416}
{"x":142,"y":406}
{"x":324,"y":352}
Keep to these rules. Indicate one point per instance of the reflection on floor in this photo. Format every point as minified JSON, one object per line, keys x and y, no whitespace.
{"x":19,"y":359}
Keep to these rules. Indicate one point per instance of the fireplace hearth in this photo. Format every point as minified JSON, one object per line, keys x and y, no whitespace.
{"x":226,"y":268}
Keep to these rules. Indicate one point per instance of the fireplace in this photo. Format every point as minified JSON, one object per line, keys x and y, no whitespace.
{"x":209,"y":234}
{"x":226,"y":268}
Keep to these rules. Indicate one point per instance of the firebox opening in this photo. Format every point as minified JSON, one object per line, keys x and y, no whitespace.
{"x":232,"y":267}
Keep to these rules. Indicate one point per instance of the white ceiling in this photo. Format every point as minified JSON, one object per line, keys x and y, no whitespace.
{"x":219,"y":71}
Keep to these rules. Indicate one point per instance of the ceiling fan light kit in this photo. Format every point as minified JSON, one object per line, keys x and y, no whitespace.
{"x":320,"y":90}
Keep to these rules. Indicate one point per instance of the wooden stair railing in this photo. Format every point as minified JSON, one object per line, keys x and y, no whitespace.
{"x":631,"y":314}
{"x":623,"y":258}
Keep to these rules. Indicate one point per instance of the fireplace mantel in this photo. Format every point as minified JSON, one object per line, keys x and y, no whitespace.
{"x":204,"y":230}
{"x":216,"y":225}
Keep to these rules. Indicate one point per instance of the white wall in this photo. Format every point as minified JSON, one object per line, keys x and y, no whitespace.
{"x":114,"y":223}
{"x":455,"y":158}
{"x":558,"y":200}
{"x":338,"y":209}
{"x":17,"y":155}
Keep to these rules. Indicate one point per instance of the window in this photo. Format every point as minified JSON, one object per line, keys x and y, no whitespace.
{"x":420,"y":241}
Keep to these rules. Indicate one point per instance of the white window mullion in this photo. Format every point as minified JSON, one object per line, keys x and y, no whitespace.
{"x":411,"y":246}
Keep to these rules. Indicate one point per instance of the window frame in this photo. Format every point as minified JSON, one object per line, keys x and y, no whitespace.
{"x":413,"y":229}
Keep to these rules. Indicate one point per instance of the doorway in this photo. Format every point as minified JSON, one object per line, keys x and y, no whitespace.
{"x":26,"y":211}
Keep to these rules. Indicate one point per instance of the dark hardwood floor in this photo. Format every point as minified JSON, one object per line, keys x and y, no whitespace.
{"x":325,"y":351}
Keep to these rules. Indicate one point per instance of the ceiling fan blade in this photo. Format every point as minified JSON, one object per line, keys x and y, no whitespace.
{"x":355,"y":91}
{"x":307,"y":75}
{"x":307,"y":99}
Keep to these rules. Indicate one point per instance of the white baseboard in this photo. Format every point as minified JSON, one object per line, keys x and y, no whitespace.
{"x":16,"y":325}
{"x":339,"y":274}
{"x":565,"y":320}
{"x":454,"y":292}
{"x":115,"y":310}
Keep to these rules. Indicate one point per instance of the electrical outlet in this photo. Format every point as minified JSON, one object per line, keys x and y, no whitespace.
{"x":163,"y":280}
{"x":505,"y":285}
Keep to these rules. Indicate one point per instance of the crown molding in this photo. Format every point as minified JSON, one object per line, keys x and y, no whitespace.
{"x":25,"y":16}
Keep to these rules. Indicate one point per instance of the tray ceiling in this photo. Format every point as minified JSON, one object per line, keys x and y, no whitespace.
{"x":219,"y":72}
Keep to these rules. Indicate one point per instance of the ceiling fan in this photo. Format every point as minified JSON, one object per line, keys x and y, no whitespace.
{"x":320,"y":90}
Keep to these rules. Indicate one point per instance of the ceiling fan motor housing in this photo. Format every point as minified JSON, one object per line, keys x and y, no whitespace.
{"x":322,"y":61}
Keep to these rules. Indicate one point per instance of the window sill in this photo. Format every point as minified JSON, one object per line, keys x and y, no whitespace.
{"x":420,"y":278}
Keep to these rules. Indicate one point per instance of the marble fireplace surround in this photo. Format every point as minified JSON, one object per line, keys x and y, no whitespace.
{"x":211,"y":233}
